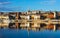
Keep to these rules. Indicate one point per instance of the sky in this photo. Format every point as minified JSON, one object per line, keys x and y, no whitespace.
{"x":25,"y":5}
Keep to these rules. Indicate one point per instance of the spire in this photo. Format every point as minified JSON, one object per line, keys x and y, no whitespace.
{"x":28,"y":9}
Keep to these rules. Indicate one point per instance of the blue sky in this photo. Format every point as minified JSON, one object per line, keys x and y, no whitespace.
{"x":24,"y":5}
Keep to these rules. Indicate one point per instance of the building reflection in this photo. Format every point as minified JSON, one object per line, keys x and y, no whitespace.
{"x":34,"y":26}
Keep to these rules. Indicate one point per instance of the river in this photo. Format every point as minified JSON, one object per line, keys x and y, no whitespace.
{"x":20,"y":33}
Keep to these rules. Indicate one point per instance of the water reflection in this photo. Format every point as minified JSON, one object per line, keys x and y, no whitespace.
{"x":30,"y":30}
{"x":33,"y":26}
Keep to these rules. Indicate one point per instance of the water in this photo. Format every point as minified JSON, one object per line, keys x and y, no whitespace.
{"x":19,"y":33}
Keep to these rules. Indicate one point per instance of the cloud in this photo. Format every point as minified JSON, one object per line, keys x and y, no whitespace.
{"x":49,"y":2}
{"x":14,"y":8}
{"x":5,"y":9}
{"x":1,"y":3}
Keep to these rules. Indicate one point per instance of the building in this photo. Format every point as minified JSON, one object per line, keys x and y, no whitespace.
{"x":30,"y":19}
